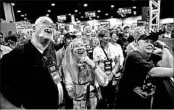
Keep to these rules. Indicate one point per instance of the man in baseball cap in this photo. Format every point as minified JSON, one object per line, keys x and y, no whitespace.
{"x":136,"y":85}
{"x":152,"y":37}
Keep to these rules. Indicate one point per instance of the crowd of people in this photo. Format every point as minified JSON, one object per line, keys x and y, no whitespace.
{"x":88,"y":69}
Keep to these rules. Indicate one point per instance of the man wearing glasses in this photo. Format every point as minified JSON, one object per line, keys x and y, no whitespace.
{"x":29,"y":74}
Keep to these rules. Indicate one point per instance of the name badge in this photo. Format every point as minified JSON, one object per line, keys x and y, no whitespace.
{"x":108,"y":65}
{"x":54,"y":73}
{"x":90,"y":53}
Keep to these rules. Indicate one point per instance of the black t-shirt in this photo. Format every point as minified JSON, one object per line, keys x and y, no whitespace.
{"x":135,"y":70}
{"x":25,"y":79}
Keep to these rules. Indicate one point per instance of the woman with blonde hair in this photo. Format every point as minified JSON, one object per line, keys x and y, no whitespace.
{"x":82,"y":76}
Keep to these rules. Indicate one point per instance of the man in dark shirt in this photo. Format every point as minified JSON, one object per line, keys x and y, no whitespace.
{"x":138,"y":73}
{"x":29,"y":76}
{"x":125,"y":38}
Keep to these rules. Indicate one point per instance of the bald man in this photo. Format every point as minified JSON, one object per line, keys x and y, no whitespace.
{"x":30,"y":78}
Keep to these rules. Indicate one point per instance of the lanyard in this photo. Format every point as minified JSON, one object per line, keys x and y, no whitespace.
{"x":105,"y":53}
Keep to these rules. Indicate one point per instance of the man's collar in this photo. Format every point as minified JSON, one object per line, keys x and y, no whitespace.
{"x":38,"y":46}
{"x":40,"y":50}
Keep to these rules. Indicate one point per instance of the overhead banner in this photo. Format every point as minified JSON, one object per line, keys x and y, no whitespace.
{"x":61,"y":18}
{"x":90,"y":14}
{"x":105,"y":24}
{"x":141,"y":23}
{"x":124,"y":11}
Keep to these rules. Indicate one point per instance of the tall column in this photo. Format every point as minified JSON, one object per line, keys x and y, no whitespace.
{"x":9,"y":12}
{"x":154,"y":14}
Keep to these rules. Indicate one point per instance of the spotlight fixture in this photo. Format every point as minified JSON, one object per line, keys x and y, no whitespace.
{"x":13,"y":4}
{"x":48,"y":11}
{"x":112,"y":6}
{"x":85,"y":5}
{"x":134,"y":7}
{"x":53,"y":4}
{"x":99,"y":11}
{"x":76,"y":11}
{"x":18,"y":11}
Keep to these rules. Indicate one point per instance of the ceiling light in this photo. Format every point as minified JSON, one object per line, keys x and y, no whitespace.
{"x":13,"y":4}
{"x":18,"y":11}
{"x":134,"y":12}
{"x":22,"y":15}
{"x":48,"y":11}
{"x":78,"y":21}
{"x":25,"y":18}
{"x":106,"y":14}
{"x":47,"y":14}
{"x":76,"y":11}
{"x":112,"y":6}
{"x":134,"y":7}
{"x":69,"y":14}
{"x":99,"y":11}
{"x":53,"y":4}
{"x":85,"y":5}
{"x":25,"y":14}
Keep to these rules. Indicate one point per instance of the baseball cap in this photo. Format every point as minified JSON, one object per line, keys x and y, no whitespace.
{"x":45,"y":20}
{"x":152,"y":37}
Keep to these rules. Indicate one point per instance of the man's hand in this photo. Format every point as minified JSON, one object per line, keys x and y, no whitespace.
{"x":157,"y":51}
{"x":160,"y":44}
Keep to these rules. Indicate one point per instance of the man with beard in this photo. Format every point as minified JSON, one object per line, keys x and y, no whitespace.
{"x":107,"y":57}
{"x":29,"y":75}
{"x":138,"y":83}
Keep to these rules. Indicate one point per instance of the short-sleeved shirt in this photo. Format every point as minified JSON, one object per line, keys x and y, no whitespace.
{"x":136,"y":69}
{"x":99,"y":56}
